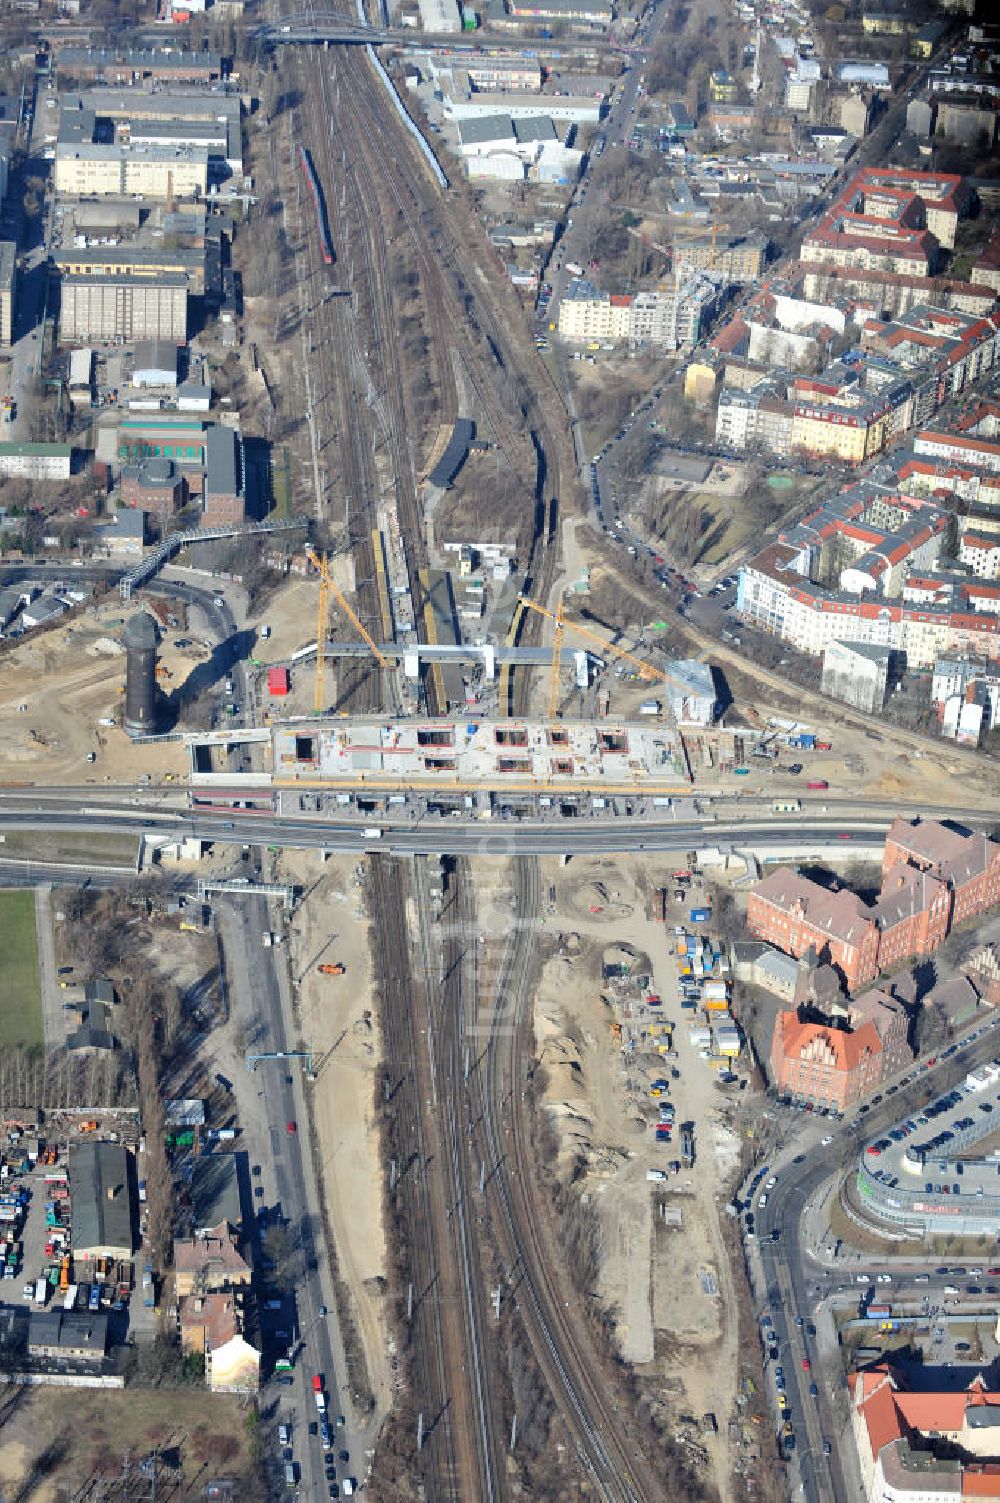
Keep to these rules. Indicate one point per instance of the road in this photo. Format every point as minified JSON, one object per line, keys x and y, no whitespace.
{"x":254,"y":973}
{"x":447,"y":837}
{"x":793,"y":1283}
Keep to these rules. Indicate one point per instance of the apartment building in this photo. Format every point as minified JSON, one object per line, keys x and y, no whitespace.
{"x":893,"y":294}
{"x":8,"y":291}
{"x":852,"y":433}
{"x":958,"y":448}
{"x":955,"y":348}
{"x":98,"y":309}
{"x":858,"y":674}
{"x":757,"y":419}
{"x":981,"y":551}
{"x":738,"y":261}
{"x":94,"y":170}
{"x":670,"y":317}
{"x":986,"y":271}
{"x":890,"y":219}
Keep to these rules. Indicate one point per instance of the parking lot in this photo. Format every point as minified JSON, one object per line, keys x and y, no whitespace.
{"x":39,"y":1268}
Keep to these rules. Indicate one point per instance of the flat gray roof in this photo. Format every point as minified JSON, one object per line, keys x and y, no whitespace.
{"x":222,"y":470}
{"x":485,"y":128}
{"x":215,"y":1190}
{"x":101,"y":1197}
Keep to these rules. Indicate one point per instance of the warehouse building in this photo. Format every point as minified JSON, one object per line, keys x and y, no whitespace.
{"x":93,"y":170}
{"x":225,"y":500}
{"x":36,"y":461}
{"x":8,"y":291}
{"x":68,"y":1338}
{"x":103,"y":309}
{"x":100,"y":1184}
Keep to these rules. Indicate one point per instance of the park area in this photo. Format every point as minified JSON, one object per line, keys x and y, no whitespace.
{"x":20,"y":987}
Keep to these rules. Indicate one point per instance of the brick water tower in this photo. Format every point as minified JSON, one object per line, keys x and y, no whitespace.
{"x":140,"y":638}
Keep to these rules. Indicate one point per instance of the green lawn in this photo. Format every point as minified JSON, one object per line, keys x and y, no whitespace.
{"x":20,"y":989}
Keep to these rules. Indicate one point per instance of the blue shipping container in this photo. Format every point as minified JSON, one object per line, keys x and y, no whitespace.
{"x":700,"y":915}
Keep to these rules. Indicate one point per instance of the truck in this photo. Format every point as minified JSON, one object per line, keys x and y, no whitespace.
{"x":148,"y":1289}
{"x":336,"y":969}
{"x":804,"y":741}
{"x":41,"y":1290}
{"x":574,"y":268}
{"x":372,"y":832}
{"x":687,"y":1145}
{"x":818,"y":785}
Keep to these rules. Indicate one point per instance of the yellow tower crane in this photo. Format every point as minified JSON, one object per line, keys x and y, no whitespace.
{"x":644,"y":670}
{"x":328,"y":586}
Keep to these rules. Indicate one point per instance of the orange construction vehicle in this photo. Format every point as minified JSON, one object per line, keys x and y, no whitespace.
{"x":64,"y":1273}
{"x":331,"y":970}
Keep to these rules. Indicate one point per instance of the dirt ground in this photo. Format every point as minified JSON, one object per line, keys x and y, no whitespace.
{"x":664,"y":1271}
{"x":336,"y":1014}
{"x":41,"y":1456}
{"x":66,"y":681}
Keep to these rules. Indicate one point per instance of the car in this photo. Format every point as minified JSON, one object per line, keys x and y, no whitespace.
{"x":825,"y":1142}
{"x":313,"y":1427}
{"x":771,"y":1182}
{"x":292,"y":1129}
{"x":885,"y":1278}
{"x":258,"y":1191}
{"x":806,"y":1364}
{"x":813,"y":1391}
{"x":827,"y":1448}
{"x":344,"y":1455}
{"x":762,"y":1202}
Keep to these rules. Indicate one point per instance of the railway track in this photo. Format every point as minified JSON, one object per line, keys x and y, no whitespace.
{"x":454,"y":989}
{"x":410,"y":1084}
{"x":561,"y":1343}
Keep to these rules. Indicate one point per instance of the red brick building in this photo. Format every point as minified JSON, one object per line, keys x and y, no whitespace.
{"x":838,"y":1061}
{"x":794,"y":914}
{"x":155,"y":486}
{"x":912,"y":912}
{"x":969,"y":865}
{"x":824,"y":1064}
{"x":933,"y":877}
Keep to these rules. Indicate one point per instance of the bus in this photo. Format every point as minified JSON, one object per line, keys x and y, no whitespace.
{"x":786,"y":806}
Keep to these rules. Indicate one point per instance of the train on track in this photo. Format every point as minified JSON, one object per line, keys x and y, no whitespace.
{"x":319,"y":205}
